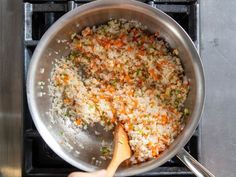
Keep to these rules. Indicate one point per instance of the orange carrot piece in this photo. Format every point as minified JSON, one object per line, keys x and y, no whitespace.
{"x":154,"y":152}
{"x":164,"y":119}
{"x":129,"y":49}
{"x":118,"y":43}
{"x":127,"y":78}
{"x":66,"y":100}
{"x":78,"y":121}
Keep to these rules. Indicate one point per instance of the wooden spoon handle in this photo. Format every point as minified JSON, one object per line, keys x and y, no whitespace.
{"x":111,"y":169}
{"x":121,"y":150}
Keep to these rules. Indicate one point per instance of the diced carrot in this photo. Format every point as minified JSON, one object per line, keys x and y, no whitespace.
{"x":129,"y":49}
{"x":153,"y":74}
{"x":175,"y":127}
{"x":93,"y":65}
{"x":113,"y":119}
{"x":95,"y":99}
{"x":151,"y":71}
{"x":65,"y":78}
{"x":79,"y":46}
{"x":119,"y":98}
{"x":129,"y":111}
{"x":165,"y":139}
{"x":111,"y":89}
{"x":122,"y":36}
{"x":107,"y":46}
{"x":135,"y":103}
{"x":78,"y":121}
{"x":171,"y":109}
{"x":131,"y":92}
{"x":113,"y":110}
{"x":164,"y":62}
{"x":154,"y":152}
{"x":157,"y":115}
{"x":122,"y":110}
{"x":66,"y":100}
{"x":130,"y":126}
{"x":127,"y":78}
{"x":150,"y":144}
{"x":118,"y":43}
{"x":102,"y":96}
{"x":164,"y":119}
{"x":58,"y":81}
{"x":106,"y":97}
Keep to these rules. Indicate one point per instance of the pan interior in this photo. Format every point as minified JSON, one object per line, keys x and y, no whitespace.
{"x":82,"y":148}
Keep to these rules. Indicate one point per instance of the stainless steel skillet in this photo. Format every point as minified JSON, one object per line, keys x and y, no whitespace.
{"x":81,"y":149}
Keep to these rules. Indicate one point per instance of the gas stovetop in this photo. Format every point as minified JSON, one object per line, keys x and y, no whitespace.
{"x":39,"y":160}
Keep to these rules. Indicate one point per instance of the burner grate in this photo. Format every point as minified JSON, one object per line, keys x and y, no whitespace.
{"x":39,"y":160}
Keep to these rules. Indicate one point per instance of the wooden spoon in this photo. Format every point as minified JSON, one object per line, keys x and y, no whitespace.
{"x":121,"y":152}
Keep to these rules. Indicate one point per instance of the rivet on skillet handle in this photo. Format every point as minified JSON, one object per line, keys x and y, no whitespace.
{"x":193,"y":164}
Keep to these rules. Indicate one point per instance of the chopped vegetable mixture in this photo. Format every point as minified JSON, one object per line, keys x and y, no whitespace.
{"x":119,"y":72}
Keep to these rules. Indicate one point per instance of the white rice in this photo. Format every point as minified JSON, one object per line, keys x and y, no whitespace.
{"x":118,"y":72}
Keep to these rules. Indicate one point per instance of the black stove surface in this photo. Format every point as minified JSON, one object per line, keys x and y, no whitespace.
{"x":39,"y":160}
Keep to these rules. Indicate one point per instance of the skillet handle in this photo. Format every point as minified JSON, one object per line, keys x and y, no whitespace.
{"x":193,"y":164}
